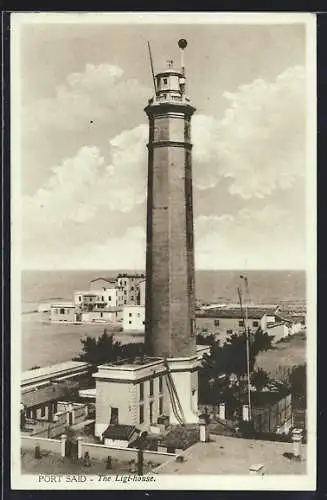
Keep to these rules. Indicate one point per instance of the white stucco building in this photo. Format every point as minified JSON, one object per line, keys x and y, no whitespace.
{"x":133,"y":318}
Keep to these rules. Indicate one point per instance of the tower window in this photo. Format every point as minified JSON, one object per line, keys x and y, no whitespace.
{"x":141,"y":416}
{"x":216,"y":322}
{"x":160,"y":406}
{"x":160,"y":385}
{"x":141,"y":391}
{"x":165,"y":81}
{"x":151,"y":387}
{"x":151,"y":412}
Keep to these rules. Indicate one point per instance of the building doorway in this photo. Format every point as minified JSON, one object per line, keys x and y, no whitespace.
{"x":114,"y":416}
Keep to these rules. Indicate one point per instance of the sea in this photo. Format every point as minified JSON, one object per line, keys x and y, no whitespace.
{"x":44,"y":343}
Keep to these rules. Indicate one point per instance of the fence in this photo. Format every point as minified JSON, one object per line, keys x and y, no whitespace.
{"x":99,"y":451}
{"x":277,"y":415}
{"x":30,"y":442}
{"x":95,"y":451}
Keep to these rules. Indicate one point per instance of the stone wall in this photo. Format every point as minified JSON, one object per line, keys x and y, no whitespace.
{"x":30,"y":442}
{"x":99,"y":451}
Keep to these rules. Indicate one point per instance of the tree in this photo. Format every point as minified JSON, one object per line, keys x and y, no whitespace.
{"x":97,"y":351}
{"x":105,"y":349}
{"x":259,"y":379}
{"x":230,"y":359}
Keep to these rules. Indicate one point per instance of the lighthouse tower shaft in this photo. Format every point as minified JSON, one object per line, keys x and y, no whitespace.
{"x":170,"y":301}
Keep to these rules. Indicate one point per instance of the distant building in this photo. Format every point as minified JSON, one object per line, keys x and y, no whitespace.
{"x":141,"y":292}
{"x":129,"y":284}
{"x":85,"y":300}
{"x":63,"y":313}
{"x":133,"y":318}
{"x":278,"y":331}
{"x":102,"y":283}
{"x":99,"y":315}
{"x":231,"y":319}
{"x":99,"y":304}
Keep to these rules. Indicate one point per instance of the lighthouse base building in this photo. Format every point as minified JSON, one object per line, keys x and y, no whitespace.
{"x":148,"y":392}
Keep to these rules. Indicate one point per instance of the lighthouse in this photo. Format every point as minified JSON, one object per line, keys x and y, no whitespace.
{"x":163,"y":384}
{"x":170,"y":300}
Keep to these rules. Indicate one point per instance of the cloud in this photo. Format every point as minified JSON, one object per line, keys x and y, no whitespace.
{"x":98,"y":94}
{"x":253,"y":239}
{"x":260,"y":142}
{"x":93,"y":199}
{"x":126,"y":251}
{"x":86,"y":197}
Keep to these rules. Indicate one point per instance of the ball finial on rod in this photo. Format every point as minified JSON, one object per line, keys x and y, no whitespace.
{"x":182,"y":43}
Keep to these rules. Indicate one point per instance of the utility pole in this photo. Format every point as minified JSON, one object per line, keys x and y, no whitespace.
{"x":247,"y":340}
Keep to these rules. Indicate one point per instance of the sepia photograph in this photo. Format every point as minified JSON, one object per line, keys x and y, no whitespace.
{"x":163,"y":241}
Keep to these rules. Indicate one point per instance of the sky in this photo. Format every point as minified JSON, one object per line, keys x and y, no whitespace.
{"x":84,"y":133}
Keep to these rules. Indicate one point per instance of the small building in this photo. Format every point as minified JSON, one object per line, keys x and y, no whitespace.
{"x":63,"y":313}
{"x":144,"y":390}
{"x":60,"y":372}
{"x":129,"y":393}
{"x":109,"y":315}
{"x":42,"y":403}
{"x":119,"y":435}
{"x":134,"y":318}
{"x":279,"y":331}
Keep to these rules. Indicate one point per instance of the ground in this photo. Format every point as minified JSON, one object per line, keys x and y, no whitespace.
{"x":51,"y":463}
{"x":290,"y":352}
{"x":228,"y":455}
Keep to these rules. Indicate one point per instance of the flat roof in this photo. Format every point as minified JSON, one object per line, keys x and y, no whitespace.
{"x":231,"y":455}
{"x":43,"y":395}
{"x":138,"y":361}
{"x":62,"y":304}
{"x":234,"y":313}
{"x":52,"y":370}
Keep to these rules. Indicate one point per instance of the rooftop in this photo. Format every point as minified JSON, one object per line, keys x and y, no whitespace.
{"x":52,"y":371}
{"x":130,"y":275}
{"x":180,"y":437}
{"x":229,"y":455}
{"x":137,"y":361}
{"x":124,"y":432}
{"x":253,"y":313}
{"x":52,"y":392}
{"x":62,"y":304}
{"x":109,"y":280}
